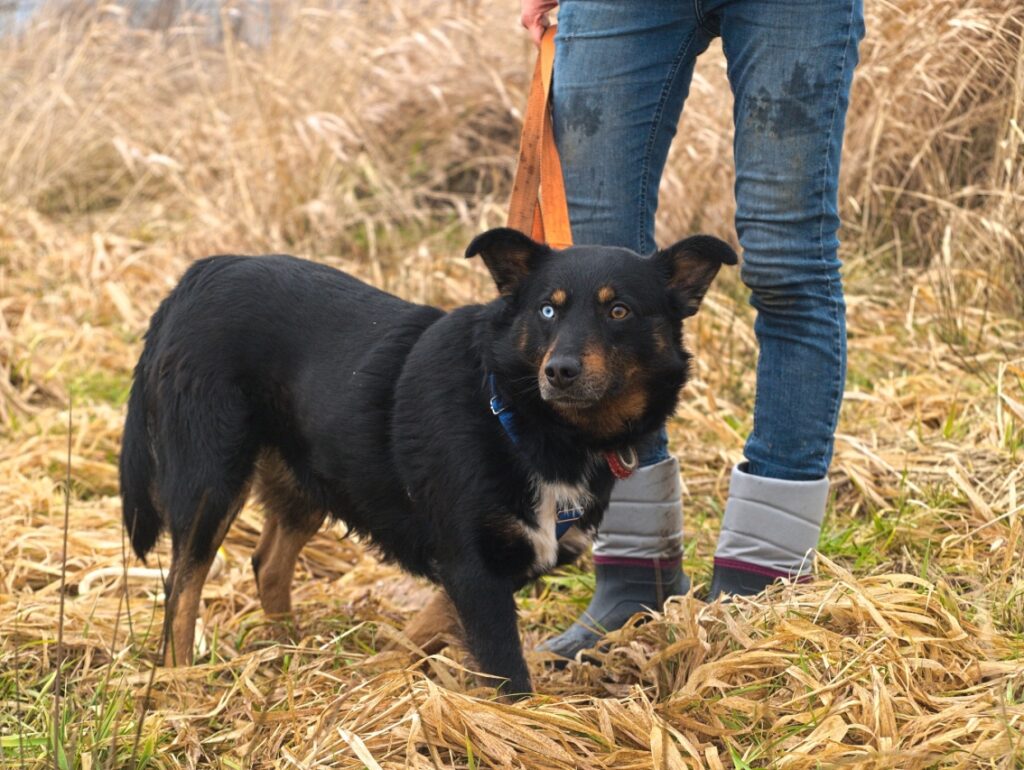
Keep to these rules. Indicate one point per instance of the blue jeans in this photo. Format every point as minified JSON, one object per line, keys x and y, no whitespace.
{"x":622,"y":74}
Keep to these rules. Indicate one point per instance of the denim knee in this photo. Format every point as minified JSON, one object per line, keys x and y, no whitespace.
{"x":792,"y":284}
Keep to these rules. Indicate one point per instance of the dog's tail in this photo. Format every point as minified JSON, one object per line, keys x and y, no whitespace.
{"x":142,"y":519}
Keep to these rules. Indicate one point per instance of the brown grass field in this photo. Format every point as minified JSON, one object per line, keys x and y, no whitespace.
{"x":380,"y":142}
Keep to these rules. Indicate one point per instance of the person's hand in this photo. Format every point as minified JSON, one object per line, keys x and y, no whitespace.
{"x":535,"y":17}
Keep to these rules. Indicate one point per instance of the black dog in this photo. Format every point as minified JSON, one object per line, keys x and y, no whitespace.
{"x":451,"y":441}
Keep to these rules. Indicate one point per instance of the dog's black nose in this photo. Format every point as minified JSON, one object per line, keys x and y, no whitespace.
{"x":561,"y":371}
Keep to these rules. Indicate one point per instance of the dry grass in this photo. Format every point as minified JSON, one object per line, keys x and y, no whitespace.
{"x":378,"y":144}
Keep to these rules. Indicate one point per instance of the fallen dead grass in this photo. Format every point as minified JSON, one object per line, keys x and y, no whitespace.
{"x":378,"y":146}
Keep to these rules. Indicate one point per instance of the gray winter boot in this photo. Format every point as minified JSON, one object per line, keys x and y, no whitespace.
{"x":769,"y":531}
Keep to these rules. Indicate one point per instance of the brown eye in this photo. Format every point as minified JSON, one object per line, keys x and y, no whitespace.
{"x":618,"y":311}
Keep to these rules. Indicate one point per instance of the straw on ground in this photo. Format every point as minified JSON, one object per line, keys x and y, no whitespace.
{"x":380,"y":144}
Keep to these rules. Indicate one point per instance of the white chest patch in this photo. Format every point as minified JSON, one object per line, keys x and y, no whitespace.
{"x":551,"y":497}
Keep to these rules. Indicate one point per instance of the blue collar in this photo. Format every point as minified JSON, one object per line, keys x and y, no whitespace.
{"x":565,"y":518}
{"x":503,"y":411}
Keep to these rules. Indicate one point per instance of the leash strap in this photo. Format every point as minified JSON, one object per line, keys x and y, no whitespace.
{"x":538,"y":207}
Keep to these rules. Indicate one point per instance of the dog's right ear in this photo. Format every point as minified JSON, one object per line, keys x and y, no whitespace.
{"x":509,"y":255}
{"x":689,"y":268}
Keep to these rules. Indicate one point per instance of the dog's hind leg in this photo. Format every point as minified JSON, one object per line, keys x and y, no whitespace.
{"x":430,"y":628}
{"x":290,"y":520}
{"x":274,"y":559}
{"x":206,"y":453}
{"x":190,"y":564}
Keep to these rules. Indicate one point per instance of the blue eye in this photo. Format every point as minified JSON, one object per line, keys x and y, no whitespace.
{"x":547,"y":310}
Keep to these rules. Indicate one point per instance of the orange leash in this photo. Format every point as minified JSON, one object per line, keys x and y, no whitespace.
{"x":537,"y":206}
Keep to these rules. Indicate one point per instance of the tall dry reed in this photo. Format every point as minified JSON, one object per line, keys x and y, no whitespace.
{"x":362,"y":131}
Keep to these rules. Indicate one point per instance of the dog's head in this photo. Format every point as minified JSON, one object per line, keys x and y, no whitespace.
{"x":595,"y":333}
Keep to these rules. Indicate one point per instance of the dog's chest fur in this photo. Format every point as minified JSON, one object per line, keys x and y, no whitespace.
{"x":549,"y":498}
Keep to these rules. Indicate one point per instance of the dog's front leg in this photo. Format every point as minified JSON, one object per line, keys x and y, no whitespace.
{"x":487,"y":608}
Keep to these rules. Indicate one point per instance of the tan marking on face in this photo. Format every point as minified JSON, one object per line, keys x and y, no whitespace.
{"x":605,"y":294}
{"x":542,"y":380}
{"x":524,"y":340}
{"x":624,"y":408}
{"x":558,"y":297}
{"x":595,"y":363}
{"x":547,"y":357}
{"x":611,"y":416}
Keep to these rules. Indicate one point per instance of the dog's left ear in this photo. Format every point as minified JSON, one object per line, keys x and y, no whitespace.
{"x":509,"y":255}
{"x":689,"y":267}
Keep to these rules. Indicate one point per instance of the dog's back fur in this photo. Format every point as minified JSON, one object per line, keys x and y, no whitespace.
{"x":339,"y":400}
{"x":269,"y":353}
